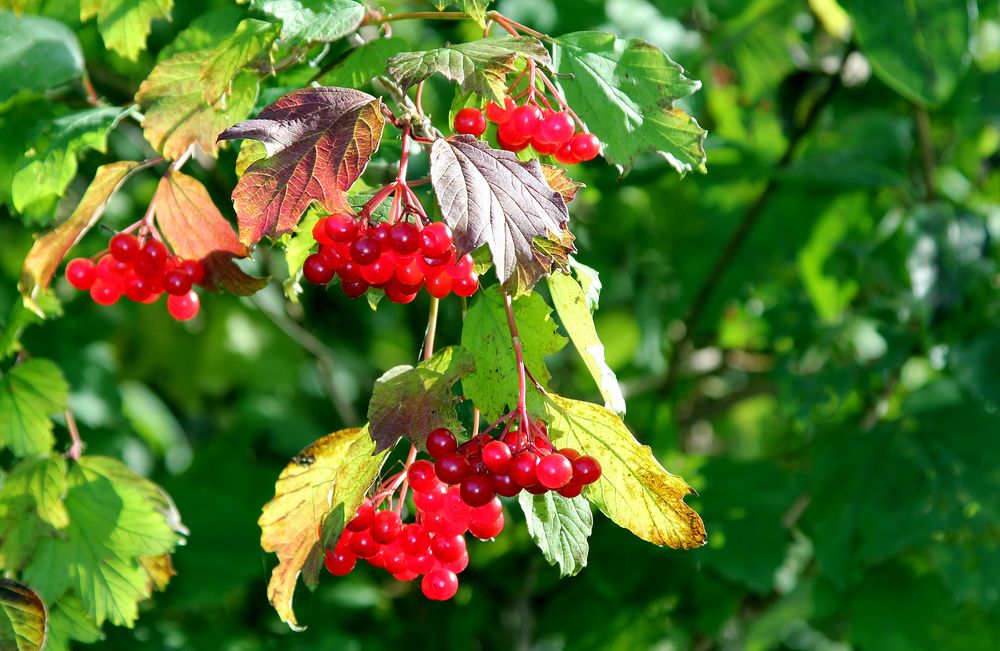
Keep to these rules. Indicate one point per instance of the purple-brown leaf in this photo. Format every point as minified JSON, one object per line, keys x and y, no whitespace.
{"x":318,"y":142}
{"x":488,"y":196}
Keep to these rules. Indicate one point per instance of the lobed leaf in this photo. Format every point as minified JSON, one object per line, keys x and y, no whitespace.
{"x":625,"y":91}
{"x":43,"y":481}
{"x":36,"y":54}
{"x":23,"y":618}
{"x":326,"y":481}
{"x":634,"y":490}
{"x":30,"y":392}
{"x":250,"y":43}
{"x":477,"y":67}
{"x":560,"y":181}
{"x":560,"y":527}
{"x":411,"y":401}
{"x":488,"y":196}
{"x":125,"y":24}
{"x":318,"y":142}
{"x":69,"y":621}
{"x":313,"y":21}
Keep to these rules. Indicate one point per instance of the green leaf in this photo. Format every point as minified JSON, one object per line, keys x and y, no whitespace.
{"x":560,"y":527}
{"x":411,"y":401}
{"x":43,"y":480}
{"x":634,"y":490}
{"x":250,"y":43}
{"x":28,"y":394}
{"x":476,"y":10}
{"x":625,"y":91}
{"x":23,"y":619}
{"x":36,"y":54}
{"x":125,"y":24}
{"x":485,"y":333}
{"x":205,"y":32}
{"x":21,"y":318}
{"x":480,"y":66}
{"x":919,"y":48}
{"x":298,"y":248}
{"x":364,"y":63}
{"x":52,"y":165}
{"x":571,"y":304}
{"x":308,"y":21}
{"x":69,"y":621}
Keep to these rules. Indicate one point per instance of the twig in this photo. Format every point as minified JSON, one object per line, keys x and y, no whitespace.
{"x":378,"y":19}
{"x":76,"y":449}
{"x":432,"y":318}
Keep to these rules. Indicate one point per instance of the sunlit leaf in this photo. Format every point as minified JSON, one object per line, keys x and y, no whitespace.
{"x":23,"y":618}
{"x":30,"y":392}
{"x":304,"y":21}
{"x":560,"y":527}
{"x":125,"y":24}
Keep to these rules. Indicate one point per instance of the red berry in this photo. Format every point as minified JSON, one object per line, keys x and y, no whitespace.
{"x":435,"y":239}
{"x":410,"y":273}
{"x":486,"y":530}
{"x":421,"y":476}
{"x":404,"y":238}
{"x":565,"y":154}
{"x":354,"y":288}
{"x":394,"y":560}
{"x":497,"y":456}
{"x":341,"y":228}
{"x":470,"y":121}
{"x":451,"y":468}
{"x":439,"y":585}
{"x":138,"y":289}
{"x":386,"y":527}
{"x":586,"y":470}
{"x":152,"y":258}
{"x":510,"y":139}
{"x":523,"y":468}
{"x":448,"y":549}
{"x":317,"y":269}
{"x":398,"y":297}
{"x":339,"y":562}
{"x":462,"y":266}
{"x":414,"y":539}
{"x":465,"y":286}
{"x":556,"y":128}
{"x":431,"y":500}
{"x":336,"y":256}
{"x":124,"y":247}
{"x":319,"y":233}
{"x":421,"y":563}
{"x":585,"y":146}
{"x":379,"y":272}
{"x":505,"y":486}
{"x":487,"y":512}
{"x":351,"y":271}
{"x":184,"y":307}
{"x":455,"y":507}
{"x":477,"y":490}
{"x":363,"y":544}
{"x":405,"y":576}
{"x":176,"y":282}
{"x":112,"y":272}
{"x":543,"y":148}
{"x":103,"y":293}
{"x":438,"y":286}
{"x":572,"y":489}
{"x":525,"y":120}
{"x":570,"y":453}
{"x":363,"y":518}
{"x":554,"y":471}
{"x":81,"y":273}
{"x":441,"y":442}
{"x":499,"y":115}
{"x":194,"y":270}
{"x":536,"y":489}
{"x":365,"y":250}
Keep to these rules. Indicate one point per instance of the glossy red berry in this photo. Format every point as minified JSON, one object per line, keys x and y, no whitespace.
{"x":339,"y":562}
{"x":194,"y":270}
{"x":487,"y":512}
{"x":176,"y":282}
{"x":497,"y":456}
{"x":505,"y":486}
{"x":441,"y":442}
{"x":410,"y":273}
{"x":525,"y":120}
{"x":477,"y":490}
{"x":572,"y":489}
{"x":184,"y":307}
{"x":414,"y":539}
{"x":104,"y":293}
{"x":354,"y":288}
{"x":554,"y":471}
{"x":317,"y":269}
{"x":487,"y":530}
{"x":365,"y":250}
{"x":569,"y":453}
{"x":421,"y":476}
{"x":451,"y":468}
{"x":439,"y":585}
{"x":394,"y":560}
{"x":137,"y":288}
{"x":124,"y":247}
{"x":81,"y":273}
{"x":363,"y":518}
{"x":465,"y":286}
{"x":462,"y":266}
{"x":379,"y":272}
{"x":435,"y":239}
{"x":438,"y":286}
{"x":556,"y":128}
{"x":523,"y":469}
{"x":470,"y":121}
{"x":497,"y":114}
{"x":448,"y":549}
{"x":152,"y":258}
{"x":586,"y":470}
{"x":404,"y":238}
{"x":386,"y":526}
{"x":543,"y":148}
{"x":363,"y":544}
{"x":585,"y":146}
{"x":421,"y":563}
{"x":319,"y":232}
{"x":565,"y":154}
{"x":431,"y":500}
{"x":341,"y":228}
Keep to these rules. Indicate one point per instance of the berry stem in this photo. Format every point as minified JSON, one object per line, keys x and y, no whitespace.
{"x":522,"y":384}
{"x":379,"y":19}
{"x":559,"y":98}
{"x":76,"y":449}
{"x":512,"y":26}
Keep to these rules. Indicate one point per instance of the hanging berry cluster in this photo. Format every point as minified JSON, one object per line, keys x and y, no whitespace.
{"x":141,"y":270}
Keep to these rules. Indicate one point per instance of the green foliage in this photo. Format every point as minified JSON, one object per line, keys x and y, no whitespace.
{"x":36,"y":54}
{"x":560,"y":527}
{"x":29,"y":393}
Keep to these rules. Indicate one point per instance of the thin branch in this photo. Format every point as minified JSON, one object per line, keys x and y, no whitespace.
{"x":378,"y":19}
{"x":431,"y":333}
{"x":76,"y":449}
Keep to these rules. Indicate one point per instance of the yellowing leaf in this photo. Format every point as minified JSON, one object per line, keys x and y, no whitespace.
{"x":330,"y":476}
{"x":22,"y":618}
{"x":634,"y":490}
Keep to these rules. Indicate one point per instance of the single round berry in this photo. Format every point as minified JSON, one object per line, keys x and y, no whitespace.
{"x":435,"y":239}
{"x":565,"y":154}
{"x":556,"y":128}
{"x":486,"y":530}
{"x":569,"y":453}
{"x":386,"y":527}
{"x":462,"y":266}
{"x":499,"y":114}
{"x":124,"y":247}
{"x":544,"y":148}
{"x":586,"y":470}
{"x":448,"y":549}
{"x":81,"y":273}
{"x":421,"y":563}
{"x":525,"y":120}
{"x":184,"y":307}
{"x":339,"y":562}
{"x":336,"y":256}
{"x":354,"y":288}
{"x":505,"y":486}
{"x":421,"y":476}
{"x":112,"y":271}
{"x":317,"y":269}
{"x":523,"y":469}
{"x":431,"y":500}
{"x":572,"y":489}
{"x":363,"y":518}
{"x":138,"y":289}
{"x":410,"y":273}
{"x":104,"y":293}
{"x":585,"y":146}
{"x":194,"y":270}
{"x":319,"y":232}
{"x":445,"y":524}
{"x":477,"y":490}
{"x":451,"y":468}
{"x":554,"y":471}
{"x":404,"y":238}
{"x":439,"y":585}
{"x":152,"y":258}
{"x":340,"y":228}
{"x":379,"y":272}
{"x":465,"y":286}
{"x":394,"y":560}
{"x":441,"y":442}
{"x":536,"y":489}
{"x":487,"y":512}
{"x":511,"y":139}
{"x":350,"y":271}
{"x":497,"y":456}
{"x":365,"y":250}
{"x":176,"y":282}
{"x":414,"y":539}
{"x":470,"y":121}
{"x":363,"y":544}
{"x":438,"y":286}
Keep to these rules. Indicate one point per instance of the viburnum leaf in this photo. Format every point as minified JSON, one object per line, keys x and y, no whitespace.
{"x":485,"y":334}
{"x":68,"y":621}
{"x":318,"y":142}
{"x":634,"y":490}
{"x":159,"y":570}
{"x":571,"y":304}
{"x":479,"y":66}
{"x":364,"y":63}
{"x":23,"y":618}
{"x":560,"y":527}
{"x":176,"y":113}
{"x":42,"y":480}
{"x":488,"y":196}
{"x":249,"y":43}
{"x":625,"y":91}
{"x":49,"y":250}
{"x":125,"y":24}
{"x":30,"y":392}
{"x":194,"y":228}
{"x":51,"y":166}
{"x":476,"y":9}
{"x":411,"y":401}
{"x":560,"y":181}
{"x":36,"y":54}
{"x":311,"y":21}
{"x":327,"y":480}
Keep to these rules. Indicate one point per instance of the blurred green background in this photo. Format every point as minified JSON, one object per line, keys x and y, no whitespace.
{"x":808,"y":334}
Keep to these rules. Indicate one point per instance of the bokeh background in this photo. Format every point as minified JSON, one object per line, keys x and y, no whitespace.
{"x":808,"y":334}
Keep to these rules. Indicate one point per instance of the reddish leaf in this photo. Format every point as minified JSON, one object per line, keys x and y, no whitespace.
{"x":560,"y":181}
{"x":488,"y":196}
{"x":318,"y":142}
{"x":50,"y":249}
{"x":194,"y":228}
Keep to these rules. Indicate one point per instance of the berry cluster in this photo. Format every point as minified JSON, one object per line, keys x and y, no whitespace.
{"x":433,"y":546}
{"x":550,"y":133}
{"x":399,"y":258}
{"x":140,"y":271}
